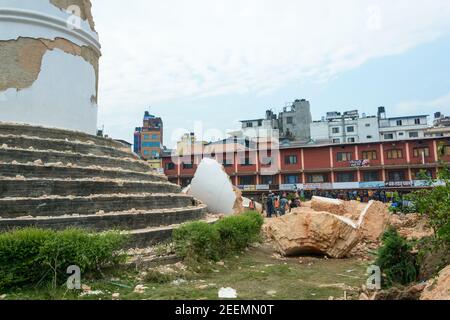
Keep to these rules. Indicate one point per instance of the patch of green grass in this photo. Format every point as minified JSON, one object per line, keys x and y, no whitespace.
{"x":254,"y":274}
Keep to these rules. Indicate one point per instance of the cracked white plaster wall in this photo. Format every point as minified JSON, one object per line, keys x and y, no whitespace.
{"x":12,"y":29}
{"x":64,"y":92}
{"x":36,"y":105}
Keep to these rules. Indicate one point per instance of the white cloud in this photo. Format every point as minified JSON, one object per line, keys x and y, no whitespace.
{"x":157,"y":50}
{"x":427,"y":106}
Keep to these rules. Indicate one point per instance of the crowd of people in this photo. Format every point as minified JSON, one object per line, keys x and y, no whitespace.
{"x":282,"y":203}
{"x":279,"y":205}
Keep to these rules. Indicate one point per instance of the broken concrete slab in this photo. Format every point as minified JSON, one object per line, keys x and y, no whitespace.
{"x":309,"y":230}
{"x":212,"y":186}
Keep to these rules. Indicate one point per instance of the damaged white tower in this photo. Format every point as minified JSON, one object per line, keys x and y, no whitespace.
{"x":49,"y":53}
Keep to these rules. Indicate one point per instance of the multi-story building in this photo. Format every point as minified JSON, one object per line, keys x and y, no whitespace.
{"x":348,"y":127}
{"x":401,"y":128}
{"x":369,"y":165}
{"x":148,"y":139}
{"x":441,"y":126}
{"x":293,"y":123}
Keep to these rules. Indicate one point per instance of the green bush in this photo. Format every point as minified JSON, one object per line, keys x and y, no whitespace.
{"x":35,"y":256}
{"x":237,"y":232}
{"x":199,"y":241}
{"x":395,"y":259}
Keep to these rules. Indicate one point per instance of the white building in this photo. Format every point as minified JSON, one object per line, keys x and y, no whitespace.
{"x":348,"y":127}
{"x":401,"y":128}
{"x":441,"y":126}
{"x":259,"y":129}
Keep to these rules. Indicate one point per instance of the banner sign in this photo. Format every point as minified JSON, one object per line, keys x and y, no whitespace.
{"x":399,"y":184}
{"x":359,"y":163}
{"x":372,"y":185}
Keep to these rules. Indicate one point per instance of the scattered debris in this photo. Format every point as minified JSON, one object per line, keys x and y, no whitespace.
{"x":272,"y":293}
{"x":140,"y":289}
{"x":438,"y":288}
{"x":227,"y":293}
{"x":116,"y":296}
{"x":178,"y":282}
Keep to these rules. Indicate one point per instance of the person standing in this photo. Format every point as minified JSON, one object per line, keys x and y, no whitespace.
{"x":270,"y":205}
{"x":284,"y":203}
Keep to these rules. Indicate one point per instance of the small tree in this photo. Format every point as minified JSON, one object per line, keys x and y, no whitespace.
{"x":395,"y":259}
{"x":434,"y":203}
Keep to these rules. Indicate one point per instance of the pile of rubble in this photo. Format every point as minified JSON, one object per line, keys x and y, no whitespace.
{"x":434,"y":289}
{"x":328,"y":226}
{"x":411,"y":226}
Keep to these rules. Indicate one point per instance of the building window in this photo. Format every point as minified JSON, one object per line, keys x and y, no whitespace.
{"x":145,"y":152}
{"x":226,"y":164}
{"x":170,"y":166}
{"x":422,"y":174}
{"x":291,"y":179}
{"x":401,"y":133}
{"x":399,"y":122}
{"x":260,"y":123}
{"x":369,"y":155}
{"x":290,"y":160}
{"x":395,"y":154}
{"x":388,"y":136}
{"x":267,"y":161}
{"x":396,"y":176}
{"x":249,"y":124}
{"x":335,"y":130}
{"x":417,"y":121}
{"x":267,"y":180}
{"x":155,"y":137}
{"x":345,"y":177}
{"x":247,"y":180}
{"x":414,"y":134}
{"x":146,"y":136}
{"x":245,"y":162}
{"x":446,"y":150}
{"x":151,"y":144}
{"x":336,"y":141}
{"x":351,"y":129}
{"x":351,"y":140}
{"x":344,"y":156}
{"x":188,"y":165}
{"x":369,"y":176}
{"x":367,"y":125}
{"x":369,"y":137}
{"x":419,"y":151}
{"x":317,"y":178}
{"x":289,"y":120}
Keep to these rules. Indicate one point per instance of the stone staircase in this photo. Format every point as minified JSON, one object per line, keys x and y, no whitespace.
{"x":53,"y":178}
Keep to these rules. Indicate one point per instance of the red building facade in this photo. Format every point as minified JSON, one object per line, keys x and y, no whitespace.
{"x":326,"y":167}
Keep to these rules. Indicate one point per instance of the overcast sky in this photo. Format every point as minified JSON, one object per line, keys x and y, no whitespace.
{"x":215,"y":62}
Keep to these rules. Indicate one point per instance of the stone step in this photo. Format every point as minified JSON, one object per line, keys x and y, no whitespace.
{"x":56,"y":171}
{"x":9,"y":155}
{"x":25,"y":142}
{"x":144,"y":238}
{"x":124,"y":220}
{"x":34,"y":188}
{"x":52,"y":133}
{"x":55,"y":206}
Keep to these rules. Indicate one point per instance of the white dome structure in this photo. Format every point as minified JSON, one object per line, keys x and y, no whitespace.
{"x":49,"y":53}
